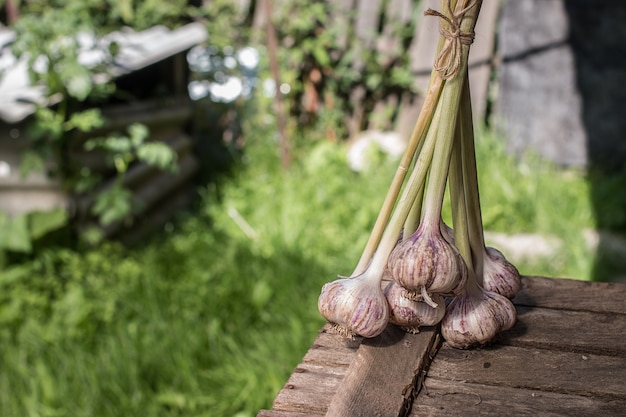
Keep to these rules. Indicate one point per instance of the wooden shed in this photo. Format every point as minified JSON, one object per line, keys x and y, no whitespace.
{"x":151,"y":67}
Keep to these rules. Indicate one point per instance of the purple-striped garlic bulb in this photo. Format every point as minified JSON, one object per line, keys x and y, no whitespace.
{"x":411,"y":315}
{"x":426,"y":263}
{"x":355,"y":306}
{"x":499,"y":275}
{"x":476,"y":316}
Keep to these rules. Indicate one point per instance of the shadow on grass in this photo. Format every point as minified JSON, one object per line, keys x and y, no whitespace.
{"x":596,"y":39}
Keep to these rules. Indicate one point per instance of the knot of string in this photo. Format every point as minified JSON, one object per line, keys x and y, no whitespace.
{"x":448,"y":61}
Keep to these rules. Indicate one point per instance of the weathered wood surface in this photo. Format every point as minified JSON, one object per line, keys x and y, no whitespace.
{"x":564,"y":357}
{"x":463,"y":399}
{"x":396,"y":353}
{"x":313,"y":383}
{"x":539,"y":369}
{"x":566,"y":294}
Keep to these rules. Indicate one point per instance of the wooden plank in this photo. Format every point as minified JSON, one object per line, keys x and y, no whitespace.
{"x":340,"y":19}
{"x":383,"y":373}
{"x":274,"y":413}
{"x":553,"y":361}
{"x":367,"y":15}
{"x":576,"y":331}
{"x":309,"y":389}
{"x":422,"y":50}
{"x":569,"y":294}
{"x":313,"y":383}
{"x":397,"y":14}
{"x":461,"y":399}
{"x":509,"y":366}
{"x":331,"y":349}
{"x":480,"y":57}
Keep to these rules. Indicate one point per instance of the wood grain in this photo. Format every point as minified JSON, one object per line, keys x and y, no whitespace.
{"x":578,"y":331}
{"x":331,"y":349}
{"x":462,"y":399}
{"x":572,"y":295}
{"x":564,"y":357}
{"x":382,"y":372}
{"x":316,"y":379}
{"x":539,"y":369}
{"x":308,"y":388}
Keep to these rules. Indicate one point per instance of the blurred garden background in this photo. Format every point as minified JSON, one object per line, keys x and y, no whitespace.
{"x":178,"y":180}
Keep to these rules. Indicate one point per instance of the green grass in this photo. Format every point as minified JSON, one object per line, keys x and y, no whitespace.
{"x":210,"y":317}
{"x":202,"y":321}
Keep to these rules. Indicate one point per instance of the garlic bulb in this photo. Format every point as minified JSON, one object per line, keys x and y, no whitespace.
{"x":356,"y":306}
{"x":409,"y":314}
{"x":499,"y":275}
{"x":426,"y":263}
{"x":475,"y":316}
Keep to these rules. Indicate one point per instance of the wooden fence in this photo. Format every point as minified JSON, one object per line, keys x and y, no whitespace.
{"x":394,"y":30}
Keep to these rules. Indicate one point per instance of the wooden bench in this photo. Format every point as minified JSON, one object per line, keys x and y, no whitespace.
{"x":565,"y":356}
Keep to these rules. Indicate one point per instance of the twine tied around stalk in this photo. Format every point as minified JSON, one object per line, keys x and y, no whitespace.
{"x":448,"y":61}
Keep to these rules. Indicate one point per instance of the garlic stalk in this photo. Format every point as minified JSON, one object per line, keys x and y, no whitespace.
{"x":475,"y":316}
{"x":426,"y":262}
{"x":416,"y":141}
{"x":493,"y":271}
{"x":413,"y":218}
{"x":414,"y":147}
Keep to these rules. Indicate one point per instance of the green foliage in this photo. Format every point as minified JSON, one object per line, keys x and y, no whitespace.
{"x":18,"y":233}
{"x":85,"y":121}
{"x":322,"y":53}
{"x":14,"y":233}
{"x":116,"y":202}
{"x":113,"y":204}
{"x":106,"y":15}
{"x":122,"y":150}
{"x":144,"y":14}
{"x":225,"y":23}
{"x":609,"y":200}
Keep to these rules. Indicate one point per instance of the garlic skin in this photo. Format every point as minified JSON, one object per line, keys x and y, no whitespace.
{"x":447,"y":232}
{"x":426,"y":261}
{"x":475,"y":317}
{"x":500,"y":275}
{"x":356,"y":306}
{"x":411,"y":315}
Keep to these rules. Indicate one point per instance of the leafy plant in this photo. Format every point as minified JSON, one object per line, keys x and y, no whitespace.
{"x":324,"y":62}
{"x":116,"y":202}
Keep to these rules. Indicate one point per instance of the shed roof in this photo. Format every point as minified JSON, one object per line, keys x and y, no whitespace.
{"x":137,"y":50}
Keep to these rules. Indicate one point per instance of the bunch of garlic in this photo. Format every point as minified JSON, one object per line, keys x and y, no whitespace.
{"x":405,"y":281}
